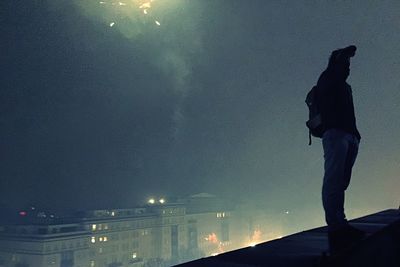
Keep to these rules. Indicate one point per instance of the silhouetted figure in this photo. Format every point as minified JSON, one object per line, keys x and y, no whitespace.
{"x":340,"y":141}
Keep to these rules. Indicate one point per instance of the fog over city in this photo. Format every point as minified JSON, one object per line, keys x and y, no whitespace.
{"x":105,"y":104}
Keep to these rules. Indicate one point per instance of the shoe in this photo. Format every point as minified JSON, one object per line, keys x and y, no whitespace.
{"x":353,"y":234}
{"x":344,"y":238}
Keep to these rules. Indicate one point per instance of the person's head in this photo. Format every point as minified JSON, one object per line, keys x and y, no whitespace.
{"x":339,"y":61}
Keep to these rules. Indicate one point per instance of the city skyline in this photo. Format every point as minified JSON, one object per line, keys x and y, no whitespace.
{"x":157,"y":234}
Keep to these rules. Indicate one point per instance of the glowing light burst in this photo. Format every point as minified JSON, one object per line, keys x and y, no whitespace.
{"x":144,"y":6}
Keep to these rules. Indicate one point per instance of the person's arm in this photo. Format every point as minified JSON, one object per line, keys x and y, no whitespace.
{"x":327,"y":98}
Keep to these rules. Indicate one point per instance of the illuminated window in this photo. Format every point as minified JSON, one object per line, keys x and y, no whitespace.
{"x":93,"y":240}
{"x":134,"y":255}
{"x":105,"y":239}
{"x":112,"y":213}
{"x":100,"y":227}
{"x":93,"y":227}
{"x":106,"y":227}
{"x":92,"y":263}
{"x":101,"y":239}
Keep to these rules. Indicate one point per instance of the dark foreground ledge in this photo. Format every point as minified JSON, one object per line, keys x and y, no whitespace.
{"x":382,"y":248}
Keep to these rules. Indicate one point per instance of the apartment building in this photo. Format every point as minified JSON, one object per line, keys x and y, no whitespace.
{"x":158,"y":234}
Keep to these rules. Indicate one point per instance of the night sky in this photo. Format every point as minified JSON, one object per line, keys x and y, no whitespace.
{"x":103,"y":106}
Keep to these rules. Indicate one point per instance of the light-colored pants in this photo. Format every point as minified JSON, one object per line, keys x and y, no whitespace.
{"x":340,"y":153}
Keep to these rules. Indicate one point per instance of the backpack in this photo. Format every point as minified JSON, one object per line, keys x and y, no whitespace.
{"x":314,"y":123}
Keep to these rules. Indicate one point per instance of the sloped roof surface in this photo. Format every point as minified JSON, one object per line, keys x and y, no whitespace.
{"x":305,"y":249}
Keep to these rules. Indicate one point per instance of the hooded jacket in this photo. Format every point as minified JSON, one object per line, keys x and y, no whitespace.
{"x":335,"y":94}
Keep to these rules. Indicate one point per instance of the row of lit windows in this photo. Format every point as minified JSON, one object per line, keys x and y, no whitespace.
{"x":99,"y":227}
{"x":100,"y":239}
{"x":121,"y":236}
{"x":124,"y":225}
{"x":124,"y":246}
{"x":222,"y":214}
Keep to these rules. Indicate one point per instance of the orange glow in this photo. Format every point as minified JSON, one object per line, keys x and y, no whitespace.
{"x":212,"y":238}
{"x":256,"y":236}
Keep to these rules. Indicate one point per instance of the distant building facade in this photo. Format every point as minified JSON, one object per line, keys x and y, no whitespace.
{"x":155,"y":235}
{"x":61,"y":245}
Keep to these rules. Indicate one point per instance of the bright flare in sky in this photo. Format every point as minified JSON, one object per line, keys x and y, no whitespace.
{"x":144,"y":5}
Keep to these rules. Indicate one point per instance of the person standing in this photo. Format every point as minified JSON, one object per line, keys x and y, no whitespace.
{"x":340,"y":142}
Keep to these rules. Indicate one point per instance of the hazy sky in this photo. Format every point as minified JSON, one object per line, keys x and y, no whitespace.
{"x":210,"y":100}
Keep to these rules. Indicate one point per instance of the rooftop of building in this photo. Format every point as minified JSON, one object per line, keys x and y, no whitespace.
{"x":202,"y":202}
{"x":33,"y":216}
{"x":305,"y":249}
